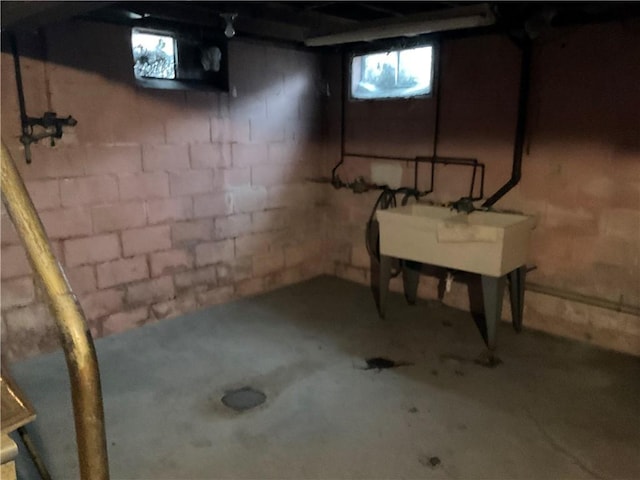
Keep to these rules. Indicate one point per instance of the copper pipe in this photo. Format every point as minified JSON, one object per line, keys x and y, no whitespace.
{"x":75,"y":336}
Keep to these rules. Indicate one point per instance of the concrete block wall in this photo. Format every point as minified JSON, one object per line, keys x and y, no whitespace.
{"x":580,"y":173}
{"x":162,"y":202}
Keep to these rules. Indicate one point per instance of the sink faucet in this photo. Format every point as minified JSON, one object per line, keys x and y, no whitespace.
{"x":465,"y":204}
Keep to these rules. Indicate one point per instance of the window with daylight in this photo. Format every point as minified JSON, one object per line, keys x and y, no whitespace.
{"x":154,"y":55}
{"x":401,"y":73}
{"x":180,"y":59}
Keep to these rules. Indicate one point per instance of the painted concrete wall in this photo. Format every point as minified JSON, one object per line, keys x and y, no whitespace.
{"x":162,"y":202}
{"x":581,"y":169}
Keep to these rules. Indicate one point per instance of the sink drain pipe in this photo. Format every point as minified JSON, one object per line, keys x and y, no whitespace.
{"x":521,"y":126}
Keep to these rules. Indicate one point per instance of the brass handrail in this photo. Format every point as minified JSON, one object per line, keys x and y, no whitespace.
{"x":79,"y":351}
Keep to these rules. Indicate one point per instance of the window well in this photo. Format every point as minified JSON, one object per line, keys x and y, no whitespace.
{"x":398,"y":73}
{"x":154,"y":55}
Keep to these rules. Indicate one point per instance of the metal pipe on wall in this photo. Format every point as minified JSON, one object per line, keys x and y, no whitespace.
{"x":436,"y":117}
{"x":343,"y":97}
{"x":521,"y":126}
{"x":79,"y":351}
{"x":584,"y":299}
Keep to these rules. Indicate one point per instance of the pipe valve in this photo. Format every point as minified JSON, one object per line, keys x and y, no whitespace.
{"x":52,"y":125}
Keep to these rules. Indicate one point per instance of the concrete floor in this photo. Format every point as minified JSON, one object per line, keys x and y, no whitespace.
{"x":553,"y":409}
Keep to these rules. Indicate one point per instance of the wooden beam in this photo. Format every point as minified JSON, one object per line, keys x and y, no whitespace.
{"x":412,"y":25}
{"x":246,"y":22}
{"x":309,"y":19}
{"x":376,"y":8}
{"x":35,"y":14}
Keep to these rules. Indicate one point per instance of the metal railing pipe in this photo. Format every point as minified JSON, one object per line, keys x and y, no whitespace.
{"x":79,"y":351}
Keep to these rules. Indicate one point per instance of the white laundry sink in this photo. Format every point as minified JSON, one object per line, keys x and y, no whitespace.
{"x":488,"y":243}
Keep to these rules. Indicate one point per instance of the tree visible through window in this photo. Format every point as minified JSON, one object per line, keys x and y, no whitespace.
{"x":392,"y":74}
{"x":154,"y":55}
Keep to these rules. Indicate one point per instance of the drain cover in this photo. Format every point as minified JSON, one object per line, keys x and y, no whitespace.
{"x":243,"y":399}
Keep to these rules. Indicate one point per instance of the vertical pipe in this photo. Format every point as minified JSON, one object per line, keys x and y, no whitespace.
{"x":26,"y":137}
{"x":521,"y":126}
{"x":18,"y":71}
{"x":433,"y":174}
{"x":473,"y":181}
{"x":343,"y":97}
{"x":75,"y":337}
{"x":436,"y":126}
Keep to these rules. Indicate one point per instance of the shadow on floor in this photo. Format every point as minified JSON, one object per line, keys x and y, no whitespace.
{"x":304,"y":346}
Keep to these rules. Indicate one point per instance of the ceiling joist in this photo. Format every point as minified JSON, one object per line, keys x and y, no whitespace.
{"x":322,"y":23}
{"x":410,"y":26}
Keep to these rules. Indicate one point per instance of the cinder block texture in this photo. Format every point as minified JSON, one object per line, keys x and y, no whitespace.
{"x":161,"y":204}
{"x":580,"y":169}
{"x":172,"y":201}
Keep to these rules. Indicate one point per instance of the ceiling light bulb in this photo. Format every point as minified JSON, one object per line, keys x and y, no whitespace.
{"x":229,"y":31}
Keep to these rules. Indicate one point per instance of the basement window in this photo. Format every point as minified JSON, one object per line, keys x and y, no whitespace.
{"x":154,"y":55}
{"x":402,"y":73}
{"x":180,"y":59}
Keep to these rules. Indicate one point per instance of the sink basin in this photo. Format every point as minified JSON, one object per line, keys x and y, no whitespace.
{"x":488,"y":243}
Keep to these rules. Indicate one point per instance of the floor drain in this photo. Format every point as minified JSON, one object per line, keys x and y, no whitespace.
{"x":243,"y":399}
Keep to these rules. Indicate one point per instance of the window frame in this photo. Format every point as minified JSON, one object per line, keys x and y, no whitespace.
{"x":388,"y":48}
{"x":188,"y":74}
{"x":164,"y":33}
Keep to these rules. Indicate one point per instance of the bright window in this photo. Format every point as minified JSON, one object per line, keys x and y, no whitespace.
{"x":154,"y":55}
{"x":392,"y":74}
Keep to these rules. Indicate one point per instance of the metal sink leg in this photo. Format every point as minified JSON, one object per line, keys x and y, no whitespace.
{"x":516,"y":296}
{"x":385,"y":277}
{"x":410,"y":279}
{"x":492,"y":293}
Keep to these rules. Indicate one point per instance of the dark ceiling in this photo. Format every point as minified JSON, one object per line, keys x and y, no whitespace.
{"x":297,"y":22}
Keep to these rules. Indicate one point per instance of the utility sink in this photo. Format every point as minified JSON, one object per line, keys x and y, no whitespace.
{"x":494,"y":245}
{"x":487,"y":243}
